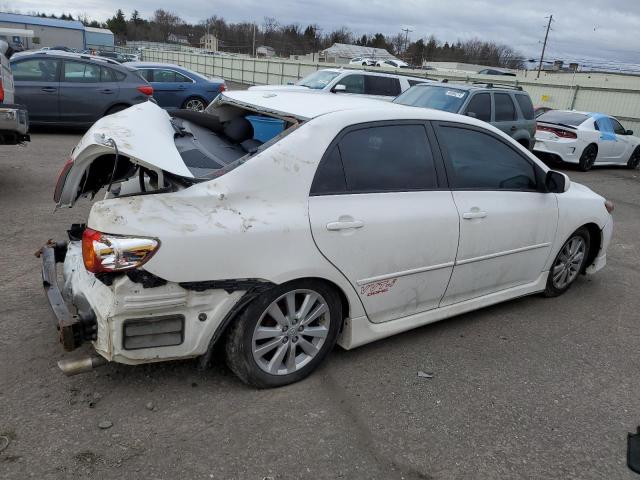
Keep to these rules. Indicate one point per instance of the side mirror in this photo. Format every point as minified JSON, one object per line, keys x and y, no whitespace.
{"x":339,"y":88}
{"x":556,"y":182}
{"x":629,"y":132}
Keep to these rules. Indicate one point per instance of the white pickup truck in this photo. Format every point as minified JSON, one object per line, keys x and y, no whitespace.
{"x":14,"y":119}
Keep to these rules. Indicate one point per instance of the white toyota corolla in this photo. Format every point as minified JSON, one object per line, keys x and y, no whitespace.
{"x":586,"y":139}
{"x":276,"y":224}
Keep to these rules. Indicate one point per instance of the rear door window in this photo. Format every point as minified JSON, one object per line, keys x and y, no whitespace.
{"x":80,"y":72}
{"x":480,"y":107}
{"x":36,"y":70}
{"x":387,"y":158}
{"x":505,"y":109}
{"x":526,"y":107}
{"x":353,"y":83}
{"x":163,"y":76}
{"x":387,"y":86}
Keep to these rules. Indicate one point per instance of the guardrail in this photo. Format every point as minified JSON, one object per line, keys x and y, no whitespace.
{"x":623,"y":103}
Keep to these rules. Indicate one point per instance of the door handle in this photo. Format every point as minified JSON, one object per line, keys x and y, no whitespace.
{"x":334,"y":226}
{"x":106,"y":90}
{"x":474,"y":214}
{"x":49,"y":89}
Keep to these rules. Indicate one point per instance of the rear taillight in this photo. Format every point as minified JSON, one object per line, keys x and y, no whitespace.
{"x":608,"y":204}
{"x":102,"y":252}
{"x":222,"y":87}
{"x":146,"y":89}
{"x":62,"y":178}
{"x":1,"y":91}
{"x":557,"y":131}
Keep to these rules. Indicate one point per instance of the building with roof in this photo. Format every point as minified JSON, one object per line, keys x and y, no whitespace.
{"x":343,"y":52}
{"x":175,"y":38}
{"x":98,"y":37}
{"x":53,"y":32}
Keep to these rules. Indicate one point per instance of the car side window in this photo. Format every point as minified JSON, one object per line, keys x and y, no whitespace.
{"x":603,"y":124}
{"x":505,"y":109}
{"x":387,"y":158}
{"x":480,"y":161}
{"x":353,"y":83}
{"x":36,"y":70}
{"x":480,"y":106}
{"x":80,"y":72}
{"x":526,"y":107}
{"x":329,"y":178}
{"x":618,"y":129}
{"x":182,"y":78}
{"x":164,"y":76}
{"x":387,"y":86}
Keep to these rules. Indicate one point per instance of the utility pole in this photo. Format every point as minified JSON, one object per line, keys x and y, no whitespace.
{"x":254,"y":40}
{"x":406,"y":37}
{"x":544,"y":45}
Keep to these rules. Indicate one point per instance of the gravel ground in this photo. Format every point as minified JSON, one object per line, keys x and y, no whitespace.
{"x":533,"y":388}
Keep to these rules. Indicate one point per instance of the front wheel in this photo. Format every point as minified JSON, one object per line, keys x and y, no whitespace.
{"x":568,"y":264}
{"x":284,"y":334}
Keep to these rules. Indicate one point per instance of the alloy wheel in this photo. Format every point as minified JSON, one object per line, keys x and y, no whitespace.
{"x":194,"y":104}
{"x":290,"y":332}
{"x":568,"y":263}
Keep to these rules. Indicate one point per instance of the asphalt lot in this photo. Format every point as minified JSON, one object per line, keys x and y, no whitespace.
{"x":531,"y":389}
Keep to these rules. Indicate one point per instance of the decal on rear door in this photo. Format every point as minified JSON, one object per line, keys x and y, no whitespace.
{"x":376,"y":288}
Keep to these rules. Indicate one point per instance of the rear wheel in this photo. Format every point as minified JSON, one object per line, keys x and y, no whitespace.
{"x":284,"y":334}
{"x":194,"y":103}
{"x":568,"y":264}
{"x":634,"y":159}
{"x":588,"y":157}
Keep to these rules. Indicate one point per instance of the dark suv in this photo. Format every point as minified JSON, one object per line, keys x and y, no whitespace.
{"x":505,"y":107}
{"x":74,"y":89}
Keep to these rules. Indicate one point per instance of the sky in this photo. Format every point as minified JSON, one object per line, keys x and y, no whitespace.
{"x":589,"y":31}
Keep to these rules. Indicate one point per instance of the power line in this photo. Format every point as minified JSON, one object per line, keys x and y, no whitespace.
{"x":544,"y":45}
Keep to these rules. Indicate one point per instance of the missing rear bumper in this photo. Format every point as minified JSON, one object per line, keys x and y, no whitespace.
{"x":73,"y":329}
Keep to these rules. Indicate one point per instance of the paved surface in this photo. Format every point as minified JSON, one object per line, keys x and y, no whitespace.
{"x":531,"y":389}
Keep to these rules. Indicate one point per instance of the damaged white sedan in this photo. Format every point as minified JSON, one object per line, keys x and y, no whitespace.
{"x":274,"y":225}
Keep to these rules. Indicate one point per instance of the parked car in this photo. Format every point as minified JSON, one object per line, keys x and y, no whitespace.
{"x":540,"y":109}
{"x":384,"y":86}
{"x":177,"y":87}
{"x":392,"y":64}
{"x":131,"y":57}
{"x":495,"y":71}
{"x":118,"y":57}
{"x":72,"y":89}
{"x":364,"y":61}
{"x":507,"y":108}
{"x":14,"y":119}
{"x":353,"y":221}
{"x":585,"y":139}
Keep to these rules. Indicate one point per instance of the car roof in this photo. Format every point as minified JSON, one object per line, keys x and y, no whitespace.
{"x":63,"y":54}
{"x":378,"y":74}
{"x":309,"y":105}
{"x":156,"y":65}
{"x":486,"y":86}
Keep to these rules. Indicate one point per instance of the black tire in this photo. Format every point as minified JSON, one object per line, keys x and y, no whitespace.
{"x":239,"y":343}
{"x":634,"y":159}
{"x":116,"y":109}
{"x":189,"y":104}
{"x":552,"y":288}
{"x":588,"y":157}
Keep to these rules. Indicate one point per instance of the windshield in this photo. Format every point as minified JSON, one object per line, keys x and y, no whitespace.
{"x":433,"y":96}
{"x":568,"y":118}
{"x":318,"y":80}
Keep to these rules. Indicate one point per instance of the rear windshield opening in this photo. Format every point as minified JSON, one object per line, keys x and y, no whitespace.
{"x":567,"y":118}
{"x":211,"y":147}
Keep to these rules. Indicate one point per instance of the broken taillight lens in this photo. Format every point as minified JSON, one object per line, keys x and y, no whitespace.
{"x":222,"y":87}
{"x":146,"y":89}
{"x":102,"y":252}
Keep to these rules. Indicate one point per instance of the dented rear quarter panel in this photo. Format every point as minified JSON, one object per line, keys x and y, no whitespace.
{"x":251,"y":222}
